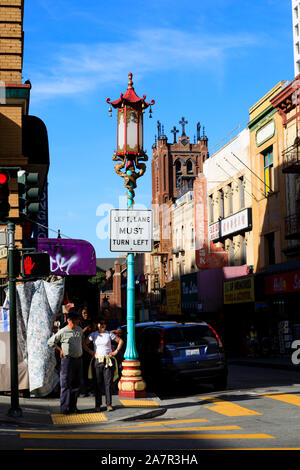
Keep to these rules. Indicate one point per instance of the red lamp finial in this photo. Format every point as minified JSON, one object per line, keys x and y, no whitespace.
{"x":130,"y":83}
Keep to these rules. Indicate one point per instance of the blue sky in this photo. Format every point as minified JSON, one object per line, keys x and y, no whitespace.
{"x":208,"y":61}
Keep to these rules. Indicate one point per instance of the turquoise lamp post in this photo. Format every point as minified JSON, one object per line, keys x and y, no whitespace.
{"x":131,"y":155}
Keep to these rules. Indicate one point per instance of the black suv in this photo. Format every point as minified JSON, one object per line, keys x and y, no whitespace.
{"x":171,"y":351}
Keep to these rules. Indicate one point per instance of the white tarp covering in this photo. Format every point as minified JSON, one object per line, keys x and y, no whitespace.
{"x":37,"y":305}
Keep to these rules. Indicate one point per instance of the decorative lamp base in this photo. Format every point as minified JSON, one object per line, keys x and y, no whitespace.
{"x":131,"y":384}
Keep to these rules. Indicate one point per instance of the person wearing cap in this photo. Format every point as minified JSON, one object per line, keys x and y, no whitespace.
{"x":68,"y":341}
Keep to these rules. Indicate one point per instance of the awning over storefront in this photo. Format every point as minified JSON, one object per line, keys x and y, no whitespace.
{"x":69,"y":257}
{"x":210,"y":285}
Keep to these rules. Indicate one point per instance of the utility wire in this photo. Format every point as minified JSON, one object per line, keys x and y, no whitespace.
{"x":250,"y":194}
{"x":48,"y":228}
{"x":259,"y":189}
{"x":265,"y":184}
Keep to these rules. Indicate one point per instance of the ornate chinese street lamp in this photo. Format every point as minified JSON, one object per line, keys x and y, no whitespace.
{"x":131,"y":155}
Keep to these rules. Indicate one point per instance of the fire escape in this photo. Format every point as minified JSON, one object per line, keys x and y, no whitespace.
{"x":291,"y":160}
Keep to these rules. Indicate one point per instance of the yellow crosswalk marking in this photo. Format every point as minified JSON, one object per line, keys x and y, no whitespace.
{"x":286,"y":397}
{"x":144,"y":436}
{"x":228,"y":408}
{"x":188,"y":429}
{"x":139,"y":403}
{"x":163,"y":423}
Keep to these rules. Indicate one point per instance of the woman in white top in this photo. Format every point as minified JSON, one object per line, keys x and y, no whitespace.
{"x":104,"y":366}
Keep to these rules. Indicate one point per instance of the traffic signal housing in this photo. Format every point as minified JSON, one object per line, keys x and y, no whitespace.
{"x":29,"y":193}
{"x":4,"y":194}
{"x":35,"y":264}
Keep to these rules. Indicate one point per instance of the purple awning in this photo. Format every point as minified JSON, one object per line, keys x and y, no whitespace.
{"x":69,"y":257}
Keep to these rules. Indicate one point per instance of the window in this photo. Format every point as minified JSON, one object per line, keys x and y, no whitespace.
{"x":192,"y":237}
{"x":242,"y":192}
{"x":182,"y":237}
{"x":221,"y":203}
{"x":268,"y":171}
{"x":177,"y":238}
{"x":270,"y":248}
{"x":171,"y":269}
{"x":189,"y":167}
{"x":243,"y":250}
{"x":211,"y":209}
{"x":185,"y":336}
{"x":230,"y":249}
{"x":178,"y":173}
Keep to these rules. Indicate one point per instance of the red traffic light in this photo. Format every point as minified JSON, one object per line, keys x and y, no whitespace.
{"x":3,"y":178}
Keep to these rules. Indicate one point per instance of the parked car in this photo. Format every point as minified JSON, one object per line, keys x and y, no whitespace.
{"x":170,"y":351}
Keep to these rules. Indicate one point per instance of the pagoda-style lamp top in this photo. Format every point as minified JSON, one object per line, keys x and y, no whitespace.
{"x":130,"y":111}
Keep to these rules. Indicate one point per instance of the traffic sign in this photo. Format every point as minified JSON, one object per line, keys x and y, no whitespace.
{"x":131,"y":231}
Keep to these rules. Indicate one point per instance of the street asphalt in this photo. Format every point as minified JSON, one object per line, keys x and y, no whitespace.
{"x":44,"y":413}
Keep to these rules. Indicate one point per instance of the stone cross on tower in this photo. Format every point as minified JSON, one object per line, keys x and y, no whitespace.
{"x":198,"y":131}
{"x":174,"y":132}
{"x":158,"y":129}
{"x":183,"y":123}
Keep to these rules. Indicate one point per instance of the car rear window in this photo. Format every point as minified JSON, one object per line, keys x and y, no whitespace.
{"x":197,"y":334}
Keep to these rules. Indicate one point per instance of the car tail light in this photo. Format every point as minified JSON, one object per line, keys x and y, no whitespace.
{"x":161,"y":346}
{"x":217,"y":336}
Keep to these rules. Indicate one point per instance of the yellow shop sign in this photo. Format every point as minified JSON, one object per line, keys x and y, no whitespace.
{"x":173,"y":293}
{"x":239,"y":291}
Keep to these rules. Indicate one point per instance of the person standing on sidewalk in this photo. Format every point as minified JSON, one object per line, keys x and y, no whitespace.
{"x":68,"y":341}
{"x":104,"y":362}
{"x":87,"y":326}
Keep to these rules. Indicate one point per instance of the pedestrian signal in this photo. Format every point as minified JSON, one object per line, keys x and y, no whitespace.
{"x":35,"y":264}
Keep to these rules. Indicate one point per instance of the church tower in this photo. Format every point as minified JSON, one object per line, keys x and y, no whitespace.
{"x":175,"y":165}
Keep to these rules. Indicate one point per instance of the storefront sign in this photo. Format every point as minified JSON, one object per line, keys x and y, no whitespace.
{"x":237,"y":222}
{"x":281,"y":283}
{"x":189,"y":292}
{"x":131,"y":231}
{"x":173,"y":293}
{"x":214,"y":231}
{"x":265,"y":133}
{"x":239,"y":291}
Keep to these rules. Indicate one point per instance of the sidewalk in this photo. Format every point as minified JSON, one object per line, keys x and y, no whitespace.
{"x":44,"y":413}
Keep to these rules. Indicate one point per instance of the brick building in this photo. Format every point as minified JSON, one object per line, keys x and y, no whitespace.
{"x":23,"y":138}
{"x":175,"y":167}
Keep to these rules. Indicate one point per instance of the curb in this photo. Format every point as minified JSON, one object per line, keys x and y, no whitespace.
{"x":146,"y":415}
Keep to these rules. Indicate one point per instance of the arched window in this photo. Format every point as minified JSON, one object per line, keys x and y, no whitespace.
{"x":189,"y":167}
{"x":178,"y":171}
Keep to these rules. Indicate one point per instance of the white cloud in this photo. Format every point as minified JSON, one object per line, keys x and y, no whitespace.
{"x":84,"y":67}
